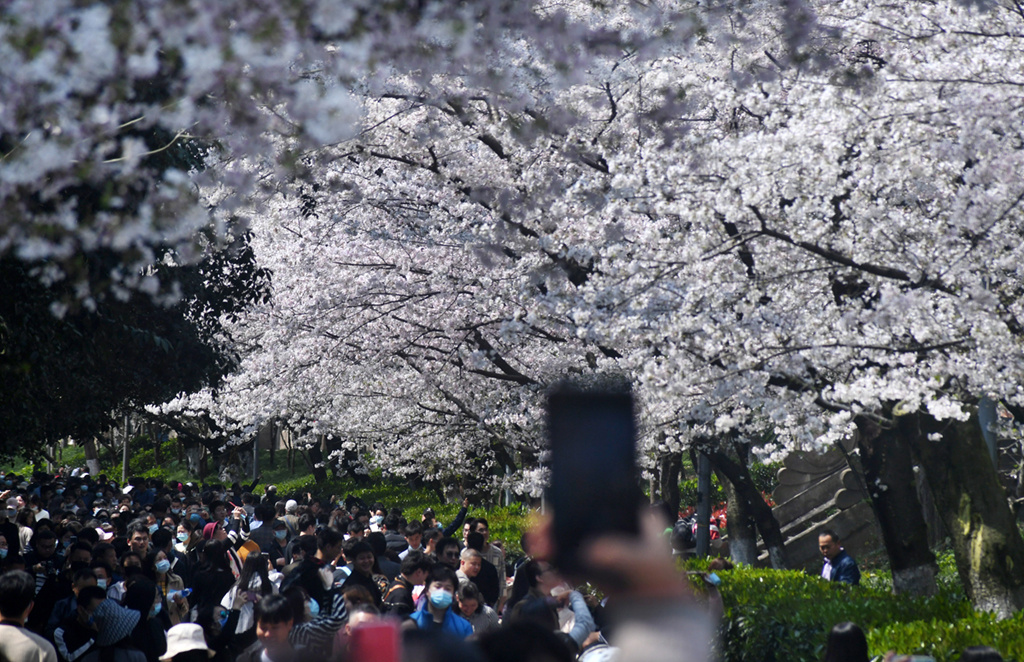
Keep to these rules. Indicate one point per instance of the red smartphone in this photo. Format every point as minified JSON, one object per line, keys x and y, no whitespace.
{"x":375,"y":642}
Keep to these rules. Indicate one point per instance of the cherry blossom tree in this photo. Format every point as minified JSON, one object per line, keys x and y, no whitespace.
{"x":800,"y":217}
{"x":813,"y":232}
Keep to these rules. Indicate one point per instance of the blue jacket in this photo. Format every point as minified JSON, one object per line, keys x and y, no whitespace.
{"x":844,"y":569}
{"x":452,"y":622}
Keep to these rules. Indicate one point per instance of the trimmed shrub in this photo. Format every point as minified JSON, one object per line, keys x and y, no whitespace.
{"x":946,"y":640}
{"x":785,"y":616}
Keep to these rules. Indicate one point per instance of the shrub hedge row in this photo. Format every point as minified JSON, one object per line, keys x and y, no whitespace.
{"x":785,"y":616}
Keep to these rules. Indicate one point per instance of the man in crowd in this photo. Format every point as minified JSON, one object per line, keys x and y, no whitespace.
{"x":75,"y":635}
{"x":838,"y":566}
{"x":398,"y":599}
{"x":17,"y":590}
{"x":486,"y":577}
{"x":494,"y":555}
{"x":448,"y":552}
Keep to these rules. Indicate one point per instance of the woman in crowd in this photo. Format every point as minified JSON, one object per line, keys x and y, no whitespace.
{"x":255,"y":581}
{"x":213,"y":578}
{"x":148,"y":635}
{"x":473,"y":609}
{"x":170,"y":585}
{"x":186,"y":537}
{"x":846,"y":643}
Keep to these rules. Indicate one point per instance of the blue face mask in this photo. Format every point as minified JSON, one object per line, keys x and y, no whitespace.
{"x":153,"y":528}
{"x":163,"y":566}
{"x":280,"y":535}
{"x":314,"y":608}
{"x":3,"y":553}
{"x":155,"y":610}
{"x":440,"y":598}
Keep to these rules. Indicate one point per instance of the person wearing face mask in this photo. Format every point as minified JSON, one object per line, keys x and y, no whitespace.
{"x":279,"y":545}
{"x":175,"y":604}
{"x":4,"y":549}
{"x":76,"y":634}
{"x":36,"y":505}
{"x":436,"y":613}
{"x":162,"y":542}
{"x":104,"y":574}
{"x":82,"y":578}
{"x":8,"y":526}
{"x":149,"y":634}
{"x":186,"y":537}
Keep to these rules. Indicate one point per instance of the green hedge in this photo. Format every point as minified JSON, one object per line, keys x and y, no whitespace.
{"x":945,"y":640}
{"x":785,"y":616}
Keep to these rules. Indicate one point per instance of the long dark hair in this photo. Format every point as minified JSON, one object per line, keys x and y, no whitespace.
{"x":255,"y":565}
{"x":846,"y":643}
{"x":215,"y":556}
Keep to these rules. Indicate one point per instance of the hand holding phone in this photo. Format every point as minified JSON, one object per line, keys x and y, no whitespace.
{"x":594,"y":488}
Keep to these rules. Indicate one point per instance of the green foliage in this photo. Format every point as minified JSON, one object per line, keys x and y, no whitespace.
{"x":945,"y":640}
{"x":688,"y":492}
{"x":786,"y":615}
{"x":766,"y":476}
{"x":71,"y":375}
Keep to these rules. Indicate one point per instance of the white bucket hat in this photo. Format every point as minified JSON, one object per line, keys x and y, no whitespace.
{"x":185,"y":637}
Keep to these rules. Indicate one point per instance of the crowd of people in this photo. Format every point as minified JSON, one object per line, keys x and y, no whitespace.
{"x":91,"y":571}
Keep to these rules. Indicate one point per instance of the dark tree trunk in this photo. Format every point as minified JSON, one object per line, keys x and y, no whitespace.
{"x":889,"y":474}
{"x":741,"y":530}
{"x":987,"y":545}
{"x":671,"y":466}
{"x":734,"y":467}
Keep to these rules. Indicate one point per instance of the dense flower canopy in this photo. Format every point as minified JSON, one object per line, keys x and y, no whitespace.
{"x":767,"y":216}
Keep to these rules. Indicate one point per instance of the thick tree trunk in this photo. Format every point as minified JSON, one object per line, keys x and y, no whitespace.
{"x":741,"y":530}
{"x":988,"y":547}
{"x":737,"y":472}
{"x":889,"y":474}
{"x":92,"y":460}
{"x":671,"y":465}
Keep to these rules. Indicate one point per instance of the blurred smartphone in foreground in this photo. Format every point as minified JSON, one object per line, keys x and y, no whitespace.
{"x":594,"y":487}
{"x":375,"y":642}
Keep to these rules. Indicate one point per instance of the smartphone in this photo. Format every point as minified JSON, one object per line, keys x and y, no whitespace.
{"x":375,"y":642}
{"x":594,"y":486}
